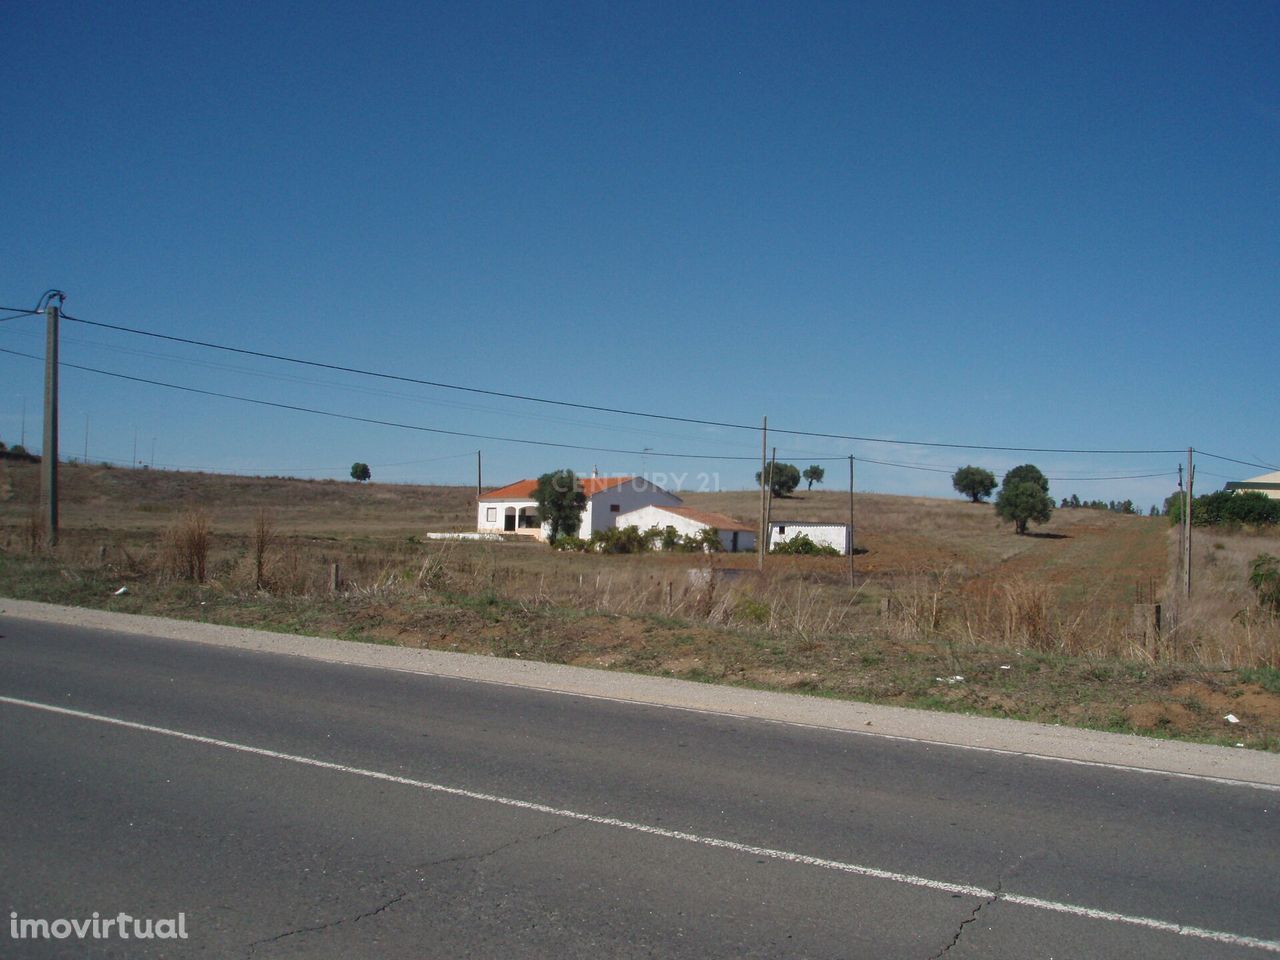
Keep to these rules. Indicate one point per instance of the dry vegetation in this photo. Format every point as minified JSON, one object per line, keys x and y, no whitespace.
{"x":1038,"y":626}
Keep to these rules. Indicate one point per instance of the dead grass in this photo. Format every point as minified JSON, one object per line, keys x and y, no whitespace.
{"x":943,"y":589}
{"x":1223,"y":623}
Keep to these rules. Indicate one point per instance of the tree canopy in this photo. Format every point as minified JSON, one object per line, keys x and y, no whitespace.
{"x":783,"y":478}
{"x":560,"y":503}
{"x":1024,"y":497}
{"x":360,"y":471}
{"x":814,"y":474}
{"x":974,"y":482}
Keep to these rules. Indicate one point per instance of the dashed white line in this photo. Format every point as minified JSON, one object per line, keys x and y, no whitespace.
{"x":943,"y":886}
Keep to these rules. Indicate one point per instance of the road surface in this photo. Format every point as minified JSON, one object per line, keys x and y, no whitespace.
{"x":290,"y":807}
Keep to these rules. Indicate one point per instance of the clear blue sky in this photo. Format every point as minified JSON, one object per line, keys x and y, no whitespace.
{"x":1000,"y":223}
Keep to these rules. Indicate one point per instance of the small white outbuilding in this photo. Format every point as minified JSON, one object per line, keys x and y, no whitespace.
{"x":836,"y":535}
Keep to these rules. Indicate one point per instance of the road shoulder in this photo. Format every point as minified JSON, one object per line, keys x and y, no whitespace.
{"x":1063,"y":744}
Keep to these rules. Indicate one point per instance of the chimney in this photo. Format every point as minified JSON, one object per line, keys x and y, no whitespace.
{"x":595,"y":472}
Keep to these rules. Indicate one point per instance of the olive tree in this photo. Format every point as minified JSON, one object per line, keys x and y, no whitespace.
{"x":560,"y":503}
{"x":1024,"y":497}
{"x":974,"y":482}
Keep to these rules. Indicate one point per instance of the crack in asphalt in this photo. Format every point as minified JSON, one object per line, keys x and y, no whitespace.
{"x":325,"y":926}
{"x":486,"y":854}
{"x":969,"y":919}
{"x":462,"y":858}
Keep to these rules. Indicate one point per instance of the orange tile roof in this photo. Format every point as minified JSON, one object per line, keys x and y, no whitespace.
{"x":524,"y":489}
{"x":717,"y":520}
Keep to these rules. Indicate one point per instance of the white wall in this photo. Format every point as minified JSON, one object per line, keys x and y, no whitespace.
{"x":652,"y":516}
{"x":500,"y":507}
{"x":628,"y":496}
{"x":823,"y":534}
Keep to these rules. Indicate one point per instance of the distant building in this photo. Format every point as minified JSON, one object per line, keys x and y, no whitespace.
{"x":513,"y":509}
{"x":836,"y":535}
{"x":1268,"y":483}
{"x":688,"y":521}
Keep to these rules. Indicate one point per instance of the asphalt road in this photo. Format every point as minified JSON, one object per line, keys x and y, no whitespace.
{"x":297,"y":808}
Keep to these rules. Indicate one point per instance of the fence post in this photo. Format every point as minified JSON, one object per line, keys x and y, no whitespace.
{"x":1146,"y":624}
{"x":335,"y":577}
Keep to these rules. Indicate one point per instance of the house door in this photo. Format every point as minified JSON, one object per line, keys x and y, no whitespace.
{"x":509,"y":520}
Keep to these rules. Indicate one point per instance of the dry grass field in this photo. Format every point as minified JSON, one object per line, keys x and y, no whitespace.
{"x":1038,"y":626}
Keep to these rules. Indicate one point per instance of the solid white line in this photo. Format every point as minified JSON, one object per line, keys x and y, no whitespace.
{"x":1200,"y":933}
{"x":704,"y":711}
{"x":813,"y":725}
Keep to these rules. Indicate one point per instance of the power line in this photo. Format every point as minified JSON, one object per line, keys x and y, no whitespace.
{"x":595,"y":407}
{"x":500,"y":439}
{"x":383,"y":423}
{"x":214,"y":365}
{"x":1243,"y":463}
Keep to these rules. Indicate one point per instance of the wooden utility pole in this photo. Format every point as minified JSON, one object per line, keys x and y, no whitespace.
{"x":1186,"y":519}
{"x":850,"y":520}
{"x":479,"y":476}
{"x":768,"y":503}
{"x":762,"y":542}
{"x":1182,"y":523}
{"x":49,"y":454}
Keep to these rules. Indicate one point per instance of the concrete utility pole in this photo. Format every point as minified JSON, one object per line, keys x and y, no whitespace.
{"x":49,"y":454}
{"x":851,"y":519}
{"x":762,"y":543}
{"x":479,"y":476}
{"x":1186,"y":519}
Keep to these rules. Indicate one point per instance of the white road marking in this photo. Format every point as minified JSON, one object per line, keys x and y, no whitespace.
{"x":463,"y":677}
{"x":943,"y":886}
{"x":812,"y":725}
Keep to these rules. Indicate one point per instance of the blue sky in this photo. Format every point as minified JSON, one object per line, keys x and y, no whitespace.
{"x":1001,"y":224}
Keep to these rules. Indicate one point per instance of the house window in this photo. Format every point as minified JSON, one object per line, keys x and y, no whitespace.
{"x":491,"y":515}
{"x":782,"y":530}
{"x":614,"y":508}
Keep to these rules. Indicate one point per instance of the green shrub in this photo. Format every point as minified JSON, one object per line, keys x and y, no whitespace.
{"x":801,"y":546}
{"x":1225,"y":507}
{"x":706,"y":540}
{"x":1264,"y":577}
{"x":751,"y":610}
{"x":575,"y":544}
{"x":627,"y":539}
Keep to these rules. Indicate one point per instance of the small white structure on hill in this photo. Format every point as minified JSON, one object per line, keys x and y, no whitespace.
{"x":688,"y":521}
{"x":1268,"y":483}
{"x":836,"y":535}
{"x":513,"y":509}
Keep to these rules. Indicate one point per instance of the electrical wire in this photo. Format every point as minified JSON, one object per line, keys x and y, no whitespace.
{"x":542,"y":443}
{"x":214,"y":365}
{"x":596,"y":407}
{"x":384,"y":423}
{"x":1243,"y":463}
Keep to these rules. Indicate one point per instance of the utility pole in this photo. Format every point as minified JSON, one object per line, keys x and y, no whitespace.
{"x":762,"y":543}
{"x":478,"y":475}
{"x":850,"y":520}
{"x":23,"y":441}
{"x":1182,"y":523}
{"x":1186,"y":519}
{"x":768,"y":504}
{"x":49,"y":454}
{"x":86,"y":438}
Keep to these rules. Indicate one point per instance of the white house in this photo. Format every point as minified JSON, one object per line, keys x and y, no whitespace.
{"x":1268,"y":483}
{"x":513,"y":509}
{"x":688,"y":521}
{"x":837,"y":535}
